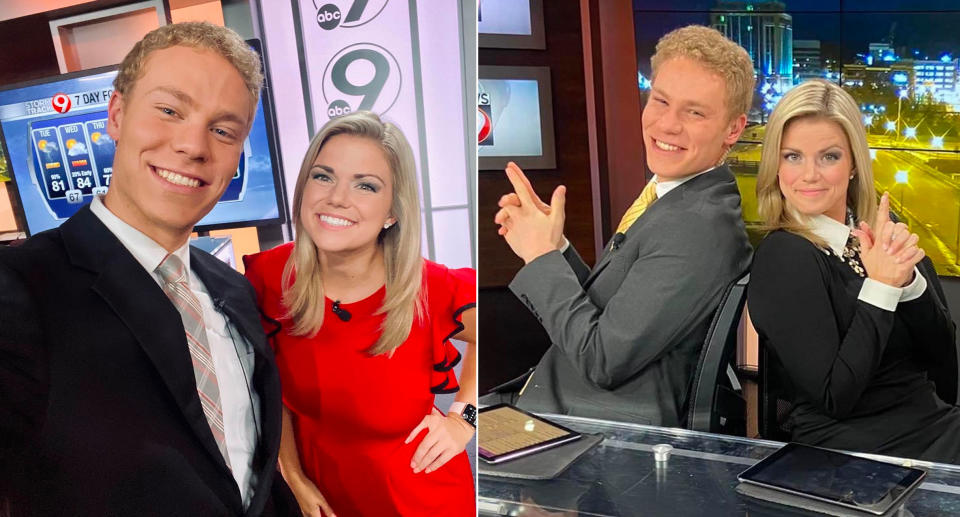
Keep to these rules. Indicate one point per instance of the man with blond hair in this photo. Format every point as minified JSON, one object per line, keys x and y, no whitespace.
{"x":627,"y":334}
{"x":135,"y":378}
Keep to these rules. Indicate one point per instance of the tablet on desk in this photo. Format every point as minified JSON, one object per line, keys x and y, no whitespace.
{"x":834,"y":477}
{"x":506,"y":432}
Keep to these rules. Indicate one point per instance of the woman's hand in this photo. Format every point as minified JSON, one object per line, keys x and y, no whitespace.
{"x":890,"y":253}
{"x":448,"y":437}
{"x":309,"y":498}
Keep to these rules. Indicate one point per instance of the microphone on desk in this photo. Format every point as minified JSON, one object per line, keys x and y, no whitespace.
{"x":341,"y":313}
{"x":618,"y":239}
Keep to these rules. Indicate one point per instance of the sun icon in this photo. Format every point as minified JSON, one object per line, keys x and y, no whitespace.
{"x":42,"y":144}
{"x":70,"y":143}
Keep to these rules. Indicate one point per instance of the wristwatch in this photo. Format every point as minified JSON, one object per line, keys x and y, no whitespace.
{"x":468,"y":412}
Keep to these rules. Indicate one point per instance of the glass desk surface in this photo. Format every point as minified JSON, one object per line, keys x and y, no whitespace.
{"x":620,"y":477}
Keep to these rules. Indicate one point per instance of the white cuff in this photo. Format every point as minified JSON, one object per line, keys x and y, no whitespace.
{"x":916,"y":288}
{"x":566,"y":244}
{"x":880,"y":294}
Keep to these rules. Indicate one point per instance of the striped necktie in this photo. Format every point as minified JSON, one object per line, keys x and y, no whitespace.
{"x":175,"y":286}
{"x":644,"y":200}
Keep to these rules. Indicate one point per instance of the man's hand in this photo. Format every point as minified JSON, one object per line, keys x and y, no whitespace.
{"x":890,"y":253}
{"x":531,"y":227}
{"x":311,"y":501}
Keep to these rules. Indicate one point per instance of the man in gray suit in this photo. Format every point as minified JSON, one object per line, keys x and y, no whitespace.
{"x":627,"y":335}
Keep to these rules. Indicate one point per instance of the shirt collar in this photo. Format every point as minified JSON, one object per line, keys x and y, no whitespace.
{"x":667,"y":185}
{"x":834,"y":233}
{"x":144,"y":249}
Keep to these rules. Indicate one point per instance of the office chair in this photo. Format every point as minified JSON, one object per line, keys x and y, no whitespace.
{"x":507,"y":392}
{"x":716,"y":403}
{"x":773,"y":409}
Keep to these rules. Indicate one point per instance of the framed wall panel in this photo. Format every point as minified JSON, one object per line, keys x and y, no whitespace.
{"x":510,"y":24}
{"x":515,"y":117}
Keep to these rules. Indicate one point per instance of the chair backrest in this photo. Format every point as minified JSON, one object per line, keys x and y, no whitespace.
{"x":773,"y":409}
{"x":715,"y":406}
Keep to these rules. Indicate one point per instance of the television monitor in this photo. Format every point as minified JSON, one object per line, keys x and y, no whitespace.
{"x":515,"y":117}
{"x":53,"y":132}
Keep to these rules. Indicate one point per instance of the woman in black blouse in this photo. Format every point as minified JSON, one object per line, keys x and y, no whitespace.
{"x":852,"y":315}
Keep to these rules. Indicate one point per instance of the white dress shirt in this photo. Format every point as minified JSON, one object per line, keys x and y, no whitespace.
{"x":232,"y":354}
{"x":875,"y":293}
{"x":667,"y":185}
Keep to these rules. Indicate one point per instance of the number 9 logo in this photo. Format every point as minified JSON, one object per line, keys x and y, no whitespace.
{"x":362,"y":76}
{"x":61,"y":103}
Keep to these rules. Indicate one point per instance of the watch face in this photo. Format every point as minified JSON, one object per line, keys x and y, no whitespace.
{"x":469,"y":414}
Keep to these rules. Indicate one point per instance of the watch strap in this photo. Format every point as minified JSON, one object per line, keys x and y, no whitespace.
{"x":466,"y":411}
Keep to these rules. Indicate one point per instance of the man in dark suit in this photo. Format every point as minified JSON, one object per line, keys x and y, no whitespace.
{"x":627,"y":334}
{"x":135,"y":378}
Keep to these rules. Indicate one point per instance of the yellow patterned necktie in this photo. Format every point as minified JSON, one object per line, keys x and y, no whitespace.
{"x":646,"y":198}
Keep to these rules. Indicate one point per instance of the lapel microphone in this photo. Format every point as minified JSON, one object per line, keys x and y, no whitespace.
{"x":341,"y":313}
{"x":617,"y":241}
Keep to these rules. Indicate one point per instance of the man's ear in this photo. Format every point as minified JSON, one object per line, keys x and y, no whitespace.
{"x":735,"y":129}
{"x":115,"y":115}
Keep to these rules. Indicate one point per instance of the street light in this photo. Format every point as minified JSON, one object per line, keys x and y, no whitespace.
{"x":901,"y":178}
{"x":902,"y":94}
{"x":890,"y":125}
{"x":910,"y":132}
{"x":937,"y":142}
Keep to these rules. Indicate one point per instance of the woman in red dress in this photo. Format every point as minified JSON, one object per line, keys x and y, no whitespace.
{"x":361,"y":327}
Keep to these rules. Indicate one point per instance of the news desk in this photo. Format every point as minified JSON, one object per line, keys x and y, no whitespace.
{"x":620,"y":477}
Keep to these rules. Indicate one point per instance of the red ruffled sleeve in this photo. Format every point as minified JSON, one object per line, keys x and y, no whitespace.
{"x":264,"y":271}
{"x":450,"y":292}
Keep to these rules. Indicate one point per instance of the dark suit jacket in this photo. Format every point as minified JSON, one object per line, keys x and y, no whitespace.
{"x":627,"y":335}
{"x":99,"y":412}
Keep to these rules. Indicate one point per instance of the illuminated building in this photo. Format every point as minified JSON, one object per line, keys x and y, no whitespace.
{"x":938,"y":78}
{"x":900,"y":74}
{"x":881,"y":53}
{"x":806,"y":60}
{"x":766,"y":32}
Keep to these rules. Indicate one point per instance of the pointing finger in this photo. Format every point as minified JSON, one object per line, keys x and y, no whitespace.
{"x":883,"y":210}
{"x":514,"y":174}
{"x":533,"y":194}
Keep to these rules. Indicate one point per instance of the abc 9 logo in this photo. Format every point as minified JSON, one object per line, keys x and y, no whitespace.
{"x":362,"y":76}
{"x":347,"y":13}
{"x":61,"y":103}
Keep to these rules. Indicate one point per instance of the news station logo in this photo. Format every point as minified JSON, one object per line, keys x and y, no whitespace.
{"x":347,"y":13}
{"x":484,"y":118}
{"x":362,"y":76}
{"x":60,"y":102}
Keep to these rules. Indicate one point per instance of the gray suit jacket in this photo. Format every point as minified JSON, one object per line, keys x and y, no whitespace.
{"x":627,"y":335}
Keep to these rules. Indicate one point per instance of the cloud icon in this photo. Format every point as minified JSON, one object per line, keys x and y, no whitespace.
{"x":77,"y":149}
{"x":99,"y":138}
{"x":47,"y":147}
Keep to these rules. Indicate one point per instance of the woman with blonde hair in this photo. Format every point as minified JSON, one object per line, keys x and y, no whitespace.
{"x":361,"y":325}
{"x":844,"y":302}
